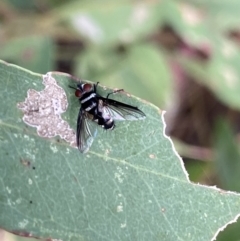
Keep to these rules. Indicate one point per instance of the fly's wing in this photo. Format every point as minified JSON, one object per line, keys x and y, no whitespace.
{"x":119,"y":111}
{"x":86,"y":131}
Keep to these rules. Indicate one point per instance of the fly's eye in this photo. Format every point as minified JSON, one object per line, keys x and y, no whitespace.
{"x":78,"y":93}
{"x":87,"y":87}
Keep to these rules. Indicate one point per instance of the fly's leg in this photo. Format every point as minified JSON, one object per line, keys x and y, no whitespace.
{"x":95,"y":90}
{"x":115,"y":91}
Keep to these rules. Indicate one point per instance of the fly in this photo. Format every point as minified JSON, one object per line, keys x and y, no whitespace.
{"x":97,"y":110}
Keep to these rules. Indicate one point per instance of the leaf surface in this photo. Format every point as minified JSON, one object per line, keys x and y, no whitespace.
{"x":131,"y":185}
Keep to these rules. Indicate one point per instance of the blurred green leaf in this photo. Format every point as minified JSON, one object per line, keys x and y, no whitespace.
{"x":108,"y":22}
{"x":197,"y":169}
{"x":220,"y":74}
{"x":188,"y":22}
{"x":131,"y":185}
{"x":230,"y":233}
{"x":205,"y":24}
{"x":33,"y":52}
{"x":227,"y":157}
{"x":23,"y":5}
{"x":140,"y":69}
{"x":227,"y":165}
{"x":223,"y":15}
{"x":201,"y":22}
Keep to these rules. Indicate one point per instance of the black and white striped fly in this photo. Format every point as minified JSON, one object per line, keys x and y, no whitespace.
{"x":96,"y":111}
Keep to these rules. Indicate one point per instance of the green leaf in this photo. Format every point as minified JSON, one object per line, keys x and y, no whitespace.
{"x":223,"y":15}
{"x":23,"y":5}
{"x":220,"y":74}
{"x":33,"y":52}
{"x":227,"y":168}
{"x":187,"y":21}
{"x":120,"y":21}
{"x":200,"y":22}
{"x":131,"y":185}
{"x":227,"y":157}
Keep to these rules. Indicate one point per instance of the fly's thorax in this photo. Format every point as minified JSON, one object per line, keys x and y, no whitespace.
{"x":89,"y":102}
{"x":88,"y":96}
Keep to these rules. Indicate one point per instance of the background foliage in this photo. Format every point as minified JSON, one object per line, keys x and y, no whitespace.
{"x":182,"y":56}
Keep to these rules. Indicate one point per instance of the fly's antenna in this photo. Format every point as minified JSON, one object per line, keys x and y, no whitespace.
{"x":72,"y":87}
{"x":95,"y":86}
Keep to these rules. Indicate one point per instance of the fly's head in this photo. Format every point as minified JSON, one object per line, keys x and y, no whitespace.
{"x":82,"y":89}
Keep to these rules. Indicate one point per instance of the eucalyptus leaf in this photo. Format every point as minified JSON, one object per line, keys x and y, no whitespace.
{"x":131,"y":185}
